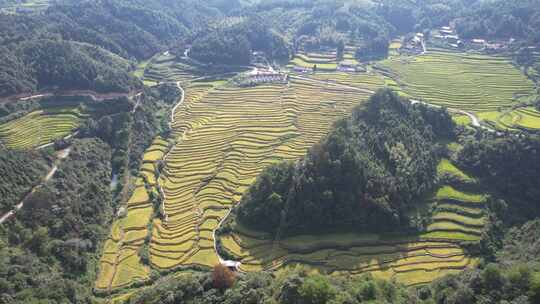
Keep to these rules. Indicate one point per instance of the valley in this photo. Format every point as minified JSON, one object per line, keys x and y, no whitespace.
{"x":292,"y":152}
{"x":224,"y":136}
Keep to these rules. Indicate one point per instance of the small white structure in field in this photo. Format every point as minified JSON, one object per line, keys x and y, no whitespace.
{"x":232,"y":265}
{"x":478,"y":41}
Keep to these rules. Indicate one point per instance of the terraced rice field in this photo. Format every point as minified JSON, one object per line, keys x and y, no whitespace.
{"x":140,"y":71}
{"x":469,"y":82}
{"x":411,"y":260}
{"x":459,"y":214}
{"x":120,"y":263}
{"x":40,"y":127}
{"x":225,"y":137}
{"x":164,"y":68}
{"x":368,"y":81}
{"x":324,"y":62}
{"x":527,"y":118}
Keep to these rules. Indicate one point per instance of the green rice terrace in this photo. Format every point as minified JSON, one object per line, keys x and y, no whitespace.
{"x":470,"y":82}
{"x":40,"y":127}
{"x":166,"y":67}
{"x":523,"y":118}
{"x":324,"y":62}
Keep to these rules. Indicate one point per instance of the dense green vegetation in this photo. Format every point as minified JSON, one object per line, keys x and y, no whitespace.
{"x":53,"y":58}
{"x":510,"y":166}
{"x":234,"y":44}
{"x":362,"y":177}
{"x":502,"y":19}
{"x":44,"y":64}
{"x":20,"y":171}
{"x":47,"y":250}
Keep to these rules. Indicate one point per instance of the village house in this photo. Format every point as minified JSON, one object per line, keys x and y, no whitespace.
{"x":478,"y":41}
{"x":262,"y":76}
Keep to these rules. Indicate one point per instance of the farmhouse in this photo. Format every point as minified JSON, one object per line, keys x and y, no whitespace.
{"x":478,"y":41}
{"x":262,"y":76}
{"x":414,"y":44}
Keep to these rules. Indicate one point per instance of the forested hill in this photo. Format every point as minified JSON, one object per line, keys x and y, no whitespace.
{"x":361,"y":177}
{"x":91,"y":45}
{"x":502,"y":19}
{"x":43,"y":64}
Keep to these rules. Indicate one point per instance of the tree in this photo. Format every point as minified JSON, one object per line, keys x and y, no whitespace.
{"x":317,"y":290}
{"x":222,"y":277}
{"x":340,"y":50}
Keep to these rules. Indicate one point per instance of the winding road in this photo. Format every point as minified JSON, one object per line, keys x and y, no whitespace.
{"x":95,"y":96}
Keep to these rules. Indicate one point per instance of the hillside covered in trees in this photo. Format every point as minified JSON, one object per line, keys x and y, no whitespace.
{"x":47,"y":250}
{"x":87,"y":45}
{"x":363,"y":177}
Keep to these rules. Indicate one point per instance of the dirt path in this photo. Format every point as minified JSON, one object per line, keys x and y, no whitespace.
{"x":138,"y":103}
{"x":95,"y":96}
{"x":61,"y":155}
{"x":180,"y":102}
{"x":164,"y":159}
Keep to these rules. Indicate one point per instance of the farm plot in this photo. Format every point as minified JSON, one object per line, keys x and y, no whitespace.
{"x":362,"y":80}
{"x":166,"y":68}
{"x":324,"y":62}
{"x":40,"y":127}
{"x":462,"y":81}
{"x":458,"y":215}
{"x":140,"y":72}
{"x":411,"y":260}
{"x":169,"y":68}
{"x":527,"y":118}
{"x":225,"y":137}
{"x":120,"y":263}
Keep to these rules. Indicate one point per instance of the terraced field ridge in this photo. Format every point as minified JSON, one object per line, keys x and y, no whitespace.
{"x":469,"y":82}
{"x":324,"y":61}
{"x":225,"y":137}
{"x":167,"y":67}
{"x":459,"y":212}
{"x":40,"y":127}
{"x":120,"y":263}
{"x":524,"y":118}
{"x":412,"y":260}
